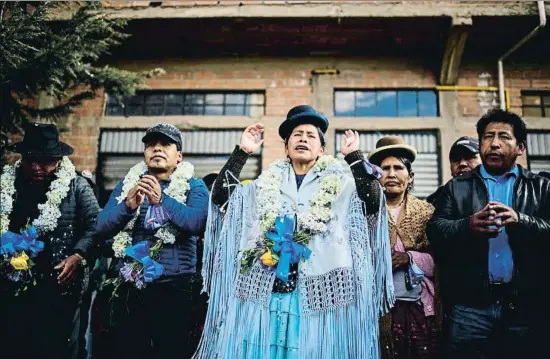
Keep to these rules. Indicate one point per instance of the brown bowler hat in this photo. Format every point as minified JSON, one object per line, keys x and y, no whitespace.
{"x":391,"y":146}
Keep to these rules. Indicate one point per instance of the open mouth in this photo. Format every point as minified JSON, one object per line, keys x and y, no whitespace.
{"x":301,"y":148}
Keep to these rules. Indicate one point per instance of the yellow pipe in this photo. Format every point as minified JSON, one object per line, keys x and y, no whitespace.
{"x":475,"y":88}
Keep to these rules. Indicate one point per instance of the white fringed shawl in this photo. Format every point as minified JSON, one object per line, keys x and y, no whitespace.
{"x":343,"y":288}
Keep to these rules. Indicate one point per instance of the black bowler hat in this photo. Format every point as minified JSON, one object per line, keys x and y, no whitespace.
{"x":41,"y":140}
{"x":300,"y":115}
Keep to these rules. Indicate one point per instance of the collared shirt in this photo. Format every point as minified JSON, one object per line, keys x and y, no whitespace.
{"x":501,"y":189}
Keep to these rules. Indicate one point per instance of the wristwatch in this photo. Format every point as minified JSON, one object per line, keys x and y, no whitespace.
{"x":82,"y":260}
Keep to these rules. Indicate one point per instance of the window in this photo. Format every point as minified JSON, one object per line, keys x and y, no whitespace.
{"x":536,"y":103}
{"x":206,"y":150}
{"x":538,"y":151}
{"x":386,"y":103}
{"x":426,"y":167}
{"x":164,"y":103}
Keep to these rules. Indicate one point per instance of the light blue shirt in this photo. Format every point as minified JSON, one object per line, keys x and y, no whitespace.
{"x":501,"y":189}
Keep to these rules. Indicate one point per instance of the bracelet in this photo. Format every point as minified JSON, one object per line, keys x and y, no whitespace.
{"x":356,"y":162}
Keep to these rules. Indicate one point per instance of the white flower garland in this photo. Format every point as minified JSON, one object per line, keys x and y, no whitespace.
{"x":49,"y":211}
{"x":319,"y":213}
{"x":178,"y":187}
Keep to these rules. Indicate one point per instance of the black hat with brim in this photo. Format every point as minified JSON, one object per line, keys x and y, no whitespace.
{"x":41,"y":140}
{"x":301,"y":115}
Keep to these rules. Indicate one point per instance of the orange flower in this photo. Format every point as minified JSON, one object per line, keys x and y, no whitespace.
{"x":268,"y":260}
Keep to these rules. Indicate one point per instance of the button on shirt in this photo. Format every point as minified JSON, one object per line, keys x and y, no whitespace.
{"x":501,"y":189}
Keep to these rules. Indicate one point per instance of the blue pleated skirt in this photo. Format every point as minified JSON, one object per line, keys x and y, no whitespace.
{"x":284,"y":322}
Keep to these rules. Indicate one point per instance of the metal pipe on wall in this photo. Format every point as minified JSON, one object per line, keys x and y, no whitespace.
{"x":542,"y":23}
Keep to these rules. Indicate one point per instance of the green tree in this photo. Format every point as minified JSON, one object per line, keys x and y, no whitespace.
{"x":56,"y":58}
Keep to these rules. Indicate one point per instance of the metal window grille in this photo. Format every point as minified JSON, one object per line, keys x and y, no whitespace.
{"x":536,"y":103}
{"x":426,"y":167}
{"x":182,"y":103}
{"x":538,"y":151}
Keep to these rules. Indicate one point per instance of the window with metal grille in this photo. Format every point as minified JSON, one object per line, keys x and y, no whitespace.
{"x":182,"y":103}
{"x":206,"y":149}
{"x":386,"y":103}
{"x":426,"y":167}
{"x":536,"y":103}
{"x":538,"y":151}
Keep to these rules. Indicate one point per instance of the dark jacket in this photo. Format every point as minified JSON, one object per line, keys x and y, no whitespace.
{"x":432,"y":199}
{"x":462,"y":256}
{"x":75,"y":227}
{"x":190,"y":219}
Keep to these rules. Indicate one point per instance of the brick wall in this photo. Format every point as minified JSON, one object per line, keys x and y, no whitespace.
{"x":289,"y":82}
{"x":516,"y":79}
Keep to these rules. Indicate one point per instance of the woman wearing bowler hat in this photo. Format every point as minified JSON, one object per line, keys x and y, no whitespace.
{"x":409,"y":331}
{"x":297,"y":262}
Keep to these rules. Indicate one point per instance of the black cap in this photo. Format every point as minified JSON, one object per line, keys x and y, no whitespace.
{"x":464,"y":143}
{"x":165,"y":130}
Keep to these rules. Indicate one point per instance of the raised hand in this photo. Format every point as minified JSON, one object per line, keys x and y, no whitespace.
{"x":350,"y":142}
{"x":251,"y":138}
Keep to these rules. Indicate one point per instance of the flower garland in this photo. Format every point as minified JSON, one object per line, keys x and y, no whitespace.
{"x":313,"y":221}
{"x":177,"y":189}
{"x":18,"y":264}
{"x":49,"y":211}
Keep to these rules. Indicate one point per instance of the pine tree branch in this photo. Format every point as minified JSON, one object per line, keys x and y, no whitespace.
{"x":57,"y":58}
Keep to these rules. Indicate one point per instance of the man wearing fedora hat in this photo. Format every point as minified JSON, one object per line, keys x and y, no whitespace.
{"x":154,"y":216}
{"x":297,"y":262}
{"x":43,"y":195}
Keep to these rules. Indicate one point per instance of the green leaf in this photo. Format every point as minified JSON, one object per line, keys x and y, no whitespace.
{"x":59,"y":59}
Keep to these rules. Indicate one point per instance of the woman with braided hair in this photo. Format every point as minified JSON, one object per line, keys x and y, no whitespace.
{"x":409,"y":331}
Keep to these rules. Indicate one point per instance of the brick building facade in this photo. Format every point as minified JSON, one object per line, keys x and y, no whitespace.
{"x":233,"y":63}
